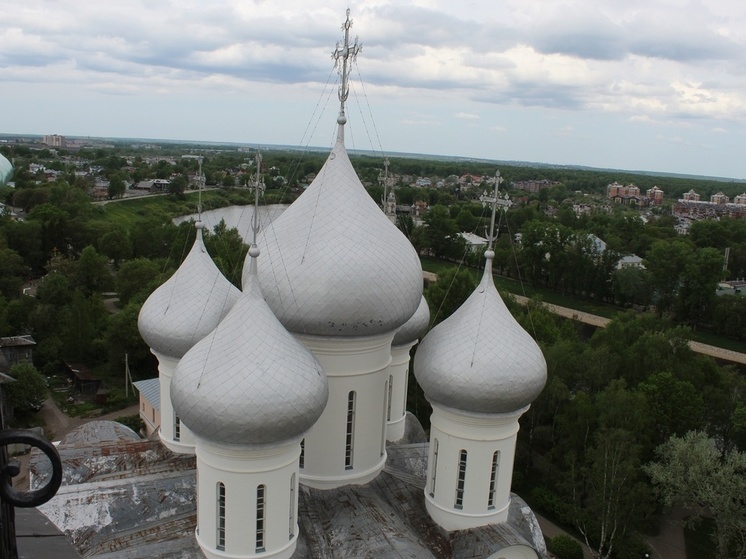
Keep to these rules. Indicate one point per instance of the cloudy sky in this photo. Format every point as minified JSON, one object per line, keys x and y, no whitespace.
{"x":656,"y":85}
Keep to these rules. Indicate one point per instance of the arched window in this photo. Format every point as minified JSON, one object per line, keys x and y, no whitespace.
{"x":461,"y":480}
{"x":220,"y":543}
{"x":434,"y":469}
{"x":493,"y":480}
{"x":350,"y":434}
{"x":177,"y":428}
{"x":302,"y":457}
{"x":260,"y":504}
{"x":388,"y":405}
{"x":291,"y":514}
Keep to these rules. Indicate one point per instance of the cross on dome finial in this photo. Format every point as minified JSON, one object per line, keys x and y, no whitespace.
{"x":258,"y":186}
{"x":495,"y":200}
{"x":346,"y":53}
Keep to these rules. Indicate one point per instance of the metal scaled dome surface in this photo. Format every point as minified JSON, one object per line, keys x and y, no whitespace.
{"x":250,"y":381}
{"x":480,"y":359}
{"x":335,"y":265}
{"x":188,"y":305}
{"x":415,"y":327}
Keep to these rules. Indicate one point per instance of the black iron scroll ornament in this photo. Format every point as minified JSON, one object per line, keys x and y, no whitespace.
{"x":35,"y":497}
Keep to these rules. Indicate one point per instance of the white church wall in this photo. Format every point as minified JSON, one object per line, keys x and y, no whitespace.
{"x":399,"y":380}
{"x":184,"y":444}
{"x":242,"y":471}
{"x":358,"y":365}
{"x":458,"y":498}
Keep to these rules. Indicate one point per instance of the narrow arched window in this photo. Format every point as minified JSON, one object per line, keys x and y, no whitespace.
{"x":220,"y":543}
{"x":493,"y":480}
{"x":350,"y":433}
{"x":434,"y":469}
{"x":302,"y":457}
{"x":261,"y":495}
{"x":291,"y":514}
{"x":390,"y":390}
{"x":461,"y":480}
{"x":386,"y":402}
{"x":177,"y":428}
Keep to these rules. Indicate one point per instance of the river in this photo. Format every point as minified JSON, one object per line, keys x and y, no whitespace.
{"x":236,"y":216}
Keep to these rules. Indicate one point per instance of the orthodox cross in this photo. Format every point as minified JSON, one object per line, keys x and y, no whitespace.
{"x":258,"y":186}
{"x":495,"y":200}
{"x":346,"y":53}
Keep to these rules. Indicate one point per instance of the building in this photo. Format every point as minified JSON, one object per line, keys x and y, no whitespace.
{"x":655,"y":195}
{"x":534,"y":186}
{"x":17,"y":349}
{"x":295,"y":401}
{"x":691,"y":195}
{"x":719,"y":198}
{"x":150,"y":405}
{"x":55,"y":141}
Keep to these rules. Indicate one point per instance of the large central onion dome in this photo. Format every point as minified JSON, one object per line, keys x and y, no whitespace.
{"x":249,"y":381}
{"x":480,"y":359}
{"x":335,"y":265}
{"x":189,"y":305}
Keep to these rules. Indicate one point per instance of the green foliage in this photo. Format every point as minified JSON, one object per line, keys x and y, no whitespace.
{"x":691,"y":470}
{"x":565,"y":547}
{"x":28,"y":392}
{"x":134,"y":422}
{"x":447,"y":294}
{"x":139,"y":278}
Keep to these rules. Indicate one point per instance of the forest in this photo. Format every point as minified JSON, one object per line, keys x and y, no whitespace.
{"x":623,"y":408}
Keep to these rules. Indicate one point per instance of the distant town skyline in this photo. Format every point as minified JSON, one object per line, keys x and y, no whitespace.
{"x":648,"y":85}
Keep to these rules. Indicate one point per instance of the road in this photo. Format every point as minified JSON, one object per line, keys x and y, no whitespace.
{"x":602,"y":322}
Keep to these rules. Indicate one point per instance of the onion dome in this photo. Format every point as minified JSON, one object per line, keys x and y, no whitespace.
{"x":415,"y":327}
{"x":480,"y":359}
{"x":249,"y":381}
{"x":335,"y":265}
{"x":6,"y":170}
{"x":189,"y":305}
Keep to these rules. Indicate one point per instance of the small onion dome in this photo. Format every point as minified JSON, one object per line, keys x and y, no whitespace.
{"x":249,"y":381}
{"x":415,"y":327}
{"x":189,"y":305}
{"x":480,"y":359}
{"x":335,"y":265}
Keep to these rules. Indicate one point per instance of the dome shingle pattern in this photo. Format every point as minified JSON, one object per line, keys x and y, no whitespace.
{"x":335,"y":265}
{"x":480,"y":359}
{"x":249,"y":381}
{"x":188,"y":305}
{"x":415,"y":327}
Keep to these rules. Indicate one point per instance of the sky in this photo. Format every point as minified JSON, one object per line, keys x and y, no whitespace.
{"x":652,"y":85}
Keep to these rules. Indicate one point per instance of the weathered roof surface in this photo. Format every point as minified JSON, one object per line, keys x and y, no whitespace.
{"x":136,"y":500}
{"x":16,"y":341}
{"x":150,"y":391}
{"x":37,"y":537}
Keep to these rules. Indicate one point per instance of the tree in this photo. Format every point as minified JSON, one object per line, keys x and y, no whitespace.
{"x":666,"y":262}
{"x":28,"y":392}
{"x":116,"y":186}
{"x":696,"y":297}
{"x":444,"y":296}
{"x":140,"y":276}
{"x":692,"y":471}
{"x":116,"y":245}
{"x":442,"y":237}
{"x":93,"y":274}
{"x":13,"y":273}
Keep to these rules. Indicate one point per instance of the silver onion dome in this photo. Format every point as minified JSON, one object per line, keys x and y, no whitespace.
{"x":249,"y":381}
{"x":480,"y":359}
{"x":335,"y":265}
{"x":415,"y":327}
{"x":188,"y":305}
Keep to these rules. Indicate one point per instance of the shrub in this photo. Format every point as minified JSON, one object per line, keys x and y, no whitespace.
{"x":565,"y":547}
